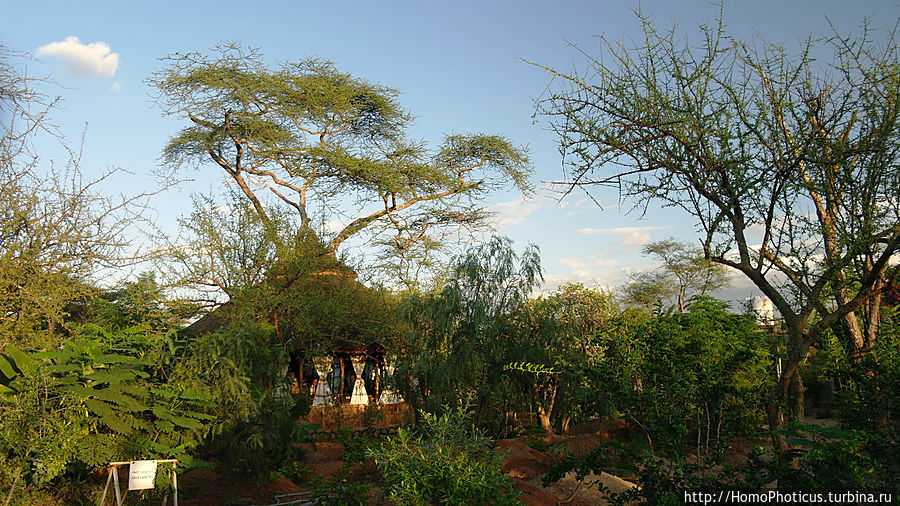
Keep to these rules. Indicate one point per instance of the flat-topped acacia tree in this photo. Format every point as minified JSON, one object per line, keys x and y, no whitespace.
{"x":328,"y":146}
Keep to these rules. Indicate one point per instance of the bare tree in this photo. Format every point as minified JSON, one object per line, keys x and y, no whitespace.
{"x":57,"y":229}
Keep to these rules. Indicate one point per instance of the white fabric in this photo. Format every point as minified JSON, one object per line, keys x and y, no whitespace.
{"x":323,"y":389}
{"x":359,"y":395}
{"x":388,"y":394}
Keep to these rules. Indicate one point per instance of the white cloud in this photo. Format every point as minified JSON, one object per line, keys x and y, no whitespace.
{"x":335,"y":226}
{"x":116,"y":86}
{"x":584,"y":263}
{"x":632,"y":237}
{"x":617,"y":230}
{"x":83,"y":60}
{"x":512,"y":212}
{"x":602,"y":278}
{"x":583,"y":206}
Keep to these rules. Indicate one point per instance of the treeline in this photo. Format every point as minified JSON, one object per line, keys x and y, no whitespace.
{"x":746,"y":140}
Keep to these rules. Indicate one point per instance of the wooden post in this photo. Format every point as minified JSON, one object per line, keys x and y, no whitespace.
{"x":115,"y":471}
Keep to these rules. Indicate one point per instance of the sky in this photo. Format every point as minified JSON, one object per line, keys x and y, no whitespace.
{"x":460,"y":67}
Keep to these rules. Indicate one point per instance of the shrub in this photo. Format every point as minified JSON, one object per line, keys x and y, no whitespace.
{"x":443,"y":461}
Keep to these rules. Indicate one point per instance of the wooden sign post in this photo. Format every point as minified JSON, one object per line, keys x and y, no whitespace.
{"x":141,"y":476}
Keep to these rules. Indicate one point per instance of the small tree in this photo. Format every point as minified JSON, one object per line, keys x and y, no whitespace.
{"x":683,"y":274}
{"x":788,"y":165}
{"x":461,"y":338}
{"x":558,"y":334}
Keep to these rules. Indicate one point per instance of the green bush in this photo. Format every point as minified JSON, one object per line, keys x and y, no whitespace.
{"x":81,"y":407}
{"x":443,"y":461}
{"x":827,"y":459}
{"x":690,"y":380}
{"x":256,"y":427}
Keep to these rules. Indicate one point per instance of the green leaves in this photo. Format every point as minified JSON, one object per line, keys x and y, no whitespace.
{"x":530,"y":368}
{"x":56,"y":402}
{"x":332,"y":147}
{"x":468,"y":322}
{"x":444,"y":460}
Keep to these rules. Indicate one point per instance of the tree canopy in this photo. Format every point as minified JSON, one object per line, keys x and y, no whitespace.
{"x":684,"y":273}
{"x":329,"y":147}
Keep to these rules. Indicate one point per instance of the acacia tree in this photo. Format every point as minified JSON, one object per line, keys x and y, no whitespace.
{"x":788,"y":164}
{"x":684,"y":272}
{"x":330,"y":147}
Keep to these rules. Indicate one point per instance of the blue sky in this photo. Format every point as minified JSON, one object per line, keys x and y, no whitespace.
{"x":457,"y":64}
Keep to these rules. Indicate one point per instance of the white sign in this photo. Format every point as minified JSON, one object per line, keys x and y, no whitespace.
{"x":141,"y":474}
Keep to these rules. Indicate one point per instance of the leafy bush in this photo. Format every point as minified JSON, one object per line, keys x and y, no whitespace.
{"x":826,"y":459}
{"x":872,"y":396}
{"x":694,"y":374}
{"x":255,"y":428}
{"x":443,"y":461}
{"x":82,"y":406}
{"x":339,"y":491}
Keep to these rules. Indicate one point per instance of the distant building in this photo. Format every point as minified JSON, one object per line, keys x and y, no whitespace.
{"x":763,"y":309}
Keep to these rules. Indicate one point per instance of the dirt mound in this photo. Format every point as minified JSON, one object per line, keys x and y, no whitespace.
{"x":523,"y":462}
{"x":533,"y":495}
{"x":579,"y":446}
{"x":324,"y":458}
{"x":587,"y":492}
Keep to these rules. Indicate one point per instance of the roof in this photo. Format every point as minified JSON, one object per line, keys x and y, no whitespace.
{"x":312,"y":301}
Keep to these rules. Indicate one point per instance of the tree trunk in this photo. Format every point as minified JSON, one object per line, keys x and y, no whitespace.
{"x":545,"y":410}
{"x":544,"y":419}
{"x":796,"y":402}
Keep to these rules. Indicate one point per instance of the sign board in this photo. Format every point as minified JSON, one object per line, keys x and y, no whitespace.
{"x":142,"y":474}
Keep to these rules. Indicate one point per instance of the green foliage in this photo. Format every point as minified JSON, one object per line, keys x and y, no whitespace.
{"x":444,"y":460}
{"x":139,"y":304}
{"x":83,"y":405}
{"x":296,"y":472}
{"x":698,"y":372}
{"x":355,"y":447}
{"x":827,"y":459}
{"x":870,"y":398}
{"x":331,"y":146}
{"x":664,"y":482}
{"x":595,"y":462}
{"x":557,"y":332}
{"x":56,"y":229}
{"x":530,"y":368}
{"x":255,"y":426}
{"x":469,"y":322}
{"x":239,"y":247}
{"x":683,"y":274}
{"x":339,"y":491}
{"x":746,"y":138}
{"x":318,"y":303}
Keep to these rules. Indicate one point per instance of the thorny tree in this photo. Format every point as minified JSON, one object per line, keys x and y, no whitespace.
{"x":684,"y":273}
{"x":57,"y":229}
{"x":789,"y":164}
{"x":330,"y":147}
